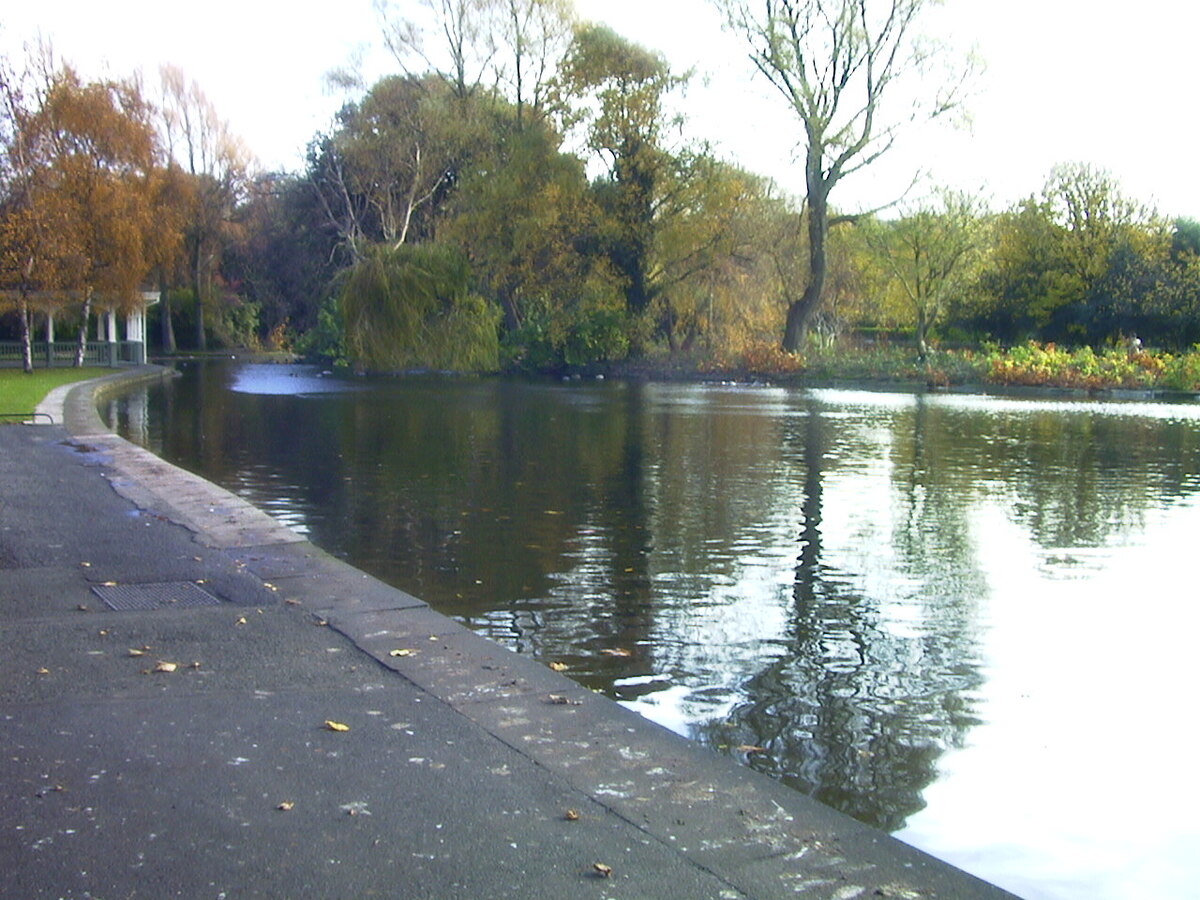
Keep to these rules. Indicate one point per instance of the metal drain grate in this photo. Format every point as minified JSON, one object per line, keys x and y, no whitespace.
{"x":172,"y":595}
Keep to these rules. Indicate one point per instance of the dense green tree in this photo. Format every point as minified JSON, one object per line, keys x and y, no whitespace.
{"x":617,"y":91}
{"x":1082,"y":263}
{"x":287,"y":262}
{"x":523,"y":215}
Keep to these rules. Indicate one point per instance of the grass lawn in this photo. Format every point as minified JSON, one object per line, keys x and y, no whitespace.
{"x":21,"y":393}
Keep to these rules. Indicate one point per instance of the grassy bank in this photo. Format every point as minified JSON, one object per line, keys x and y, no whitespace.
{"x":21,"y":392}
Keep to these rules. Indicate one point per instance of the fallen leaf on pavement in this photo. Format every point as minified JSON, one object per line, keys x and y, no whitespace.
{"x":572,"y":815}
{"x":43,"y":671}
{"x":402,"y":653}
{"x":602,"y":870}
{"x":286,"y":806}
{"x":241,"y":620}
{"x":336,"y":726}
{"x":162,"y":666}
{"x":559,"y":667}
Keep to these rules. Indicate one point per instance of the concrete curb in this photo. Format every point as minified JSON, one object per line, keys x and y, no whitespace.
{"x":754,"y":834}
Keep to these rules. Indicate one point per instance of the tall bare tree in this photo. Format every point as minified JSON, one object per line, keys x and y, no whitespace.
{"x":453,"y":38}
{"x":534,"y":36}
{"x":219,"y":167}
{"x":837,"y":63}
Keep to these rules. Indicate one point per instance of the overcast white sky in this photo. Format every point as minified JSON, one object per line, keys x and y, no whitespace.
{"x":1091,"y":81}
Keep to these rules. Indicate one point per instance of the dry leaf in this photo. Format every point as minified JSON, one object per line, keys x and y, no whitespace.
{"x":133,"y":651}
{"x":82,"y":607}
{"x":241,"y":620}
{"x":616,"y":651}
{"x":336,"y":726}
{"x":751,"y":748}
{"x":402,"y":653}
{"x":602,"y":870}
{"x":162,"y":666}
{"x":43,"y":671}
{"x":286,"y":806}
{"x":571,"y":815}
{"x":86,"y":565}
{"x":559,"y":667}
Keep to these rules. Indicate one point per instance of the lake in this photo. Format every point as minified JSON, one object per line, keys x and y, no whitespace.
{"x":968,"y":620}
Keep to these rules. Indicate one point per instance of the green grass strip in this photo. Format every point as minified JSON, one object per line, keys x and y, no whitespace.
{"x":21,"y":392}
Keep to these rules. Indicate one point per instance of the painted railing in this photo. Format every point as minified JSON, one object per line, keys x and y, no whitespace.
{"x":62,"y":353}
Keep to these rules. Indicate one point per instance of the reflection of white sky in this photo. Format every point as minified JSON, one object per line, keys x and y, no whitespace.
{"x":1080,"y":783}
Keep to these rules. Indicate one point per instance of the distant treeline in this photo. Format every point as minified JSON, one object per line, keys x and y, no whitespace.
{"x":532,"y":204}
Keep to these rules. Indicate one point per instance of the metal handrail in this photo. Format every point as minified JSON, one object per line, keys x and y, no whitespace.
{"x":28,"y":415}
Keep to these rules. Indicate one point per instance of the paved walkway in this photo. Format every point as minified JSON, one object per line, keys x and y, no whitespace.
{"x":257,"y":719}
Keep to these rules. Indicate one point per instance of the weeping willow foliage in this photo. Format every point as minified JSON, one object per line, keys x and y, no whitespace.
{"x":410,"y":307}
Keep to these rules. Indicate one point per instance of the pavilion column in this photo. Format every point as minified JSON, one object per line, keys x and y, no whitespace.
{"x":111,"y":326}
{"x":49,"y":338}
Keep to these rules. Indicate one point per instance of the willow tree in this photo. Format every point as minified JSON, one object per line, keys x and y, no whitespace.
{"x":840,"y":64}
{"x":410,"y":307}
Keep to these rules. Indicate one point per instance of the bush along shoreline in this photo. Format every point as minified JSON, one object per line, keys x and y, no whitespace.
{"x":1027,"y":366}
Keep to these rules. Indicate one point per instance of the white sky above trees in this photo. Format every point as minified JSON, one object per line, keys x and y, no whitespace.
{"x":1113,"y":85}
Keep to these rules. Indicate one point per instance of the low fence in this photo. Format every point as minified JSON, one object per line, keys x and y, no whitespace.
{"x":62,"y":353}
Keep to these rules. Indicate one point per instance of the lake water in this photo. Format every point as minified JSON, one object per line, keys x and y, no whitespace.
{"x":970,"y":621}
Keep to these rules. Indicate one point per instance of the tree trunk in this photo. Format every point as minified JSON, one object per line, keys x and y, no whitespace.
{"x":801,"y":311}
{"x":26,"y":337}
{"x":168,"y":321}
{"x":197,"y":285}
{"x":81,"y":347}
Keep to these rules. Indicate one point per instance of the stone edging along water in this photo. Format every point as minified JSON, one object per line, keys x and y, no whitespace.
{"x":762,"y":838}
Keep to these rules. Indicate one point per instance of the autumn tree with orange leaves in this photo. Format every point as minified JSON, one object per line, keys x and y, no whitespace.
{"x":83,"y":189}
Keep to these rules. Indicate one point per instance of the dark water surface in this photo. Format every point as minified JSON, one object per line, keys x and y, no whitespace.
{"x":970,"y":621}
